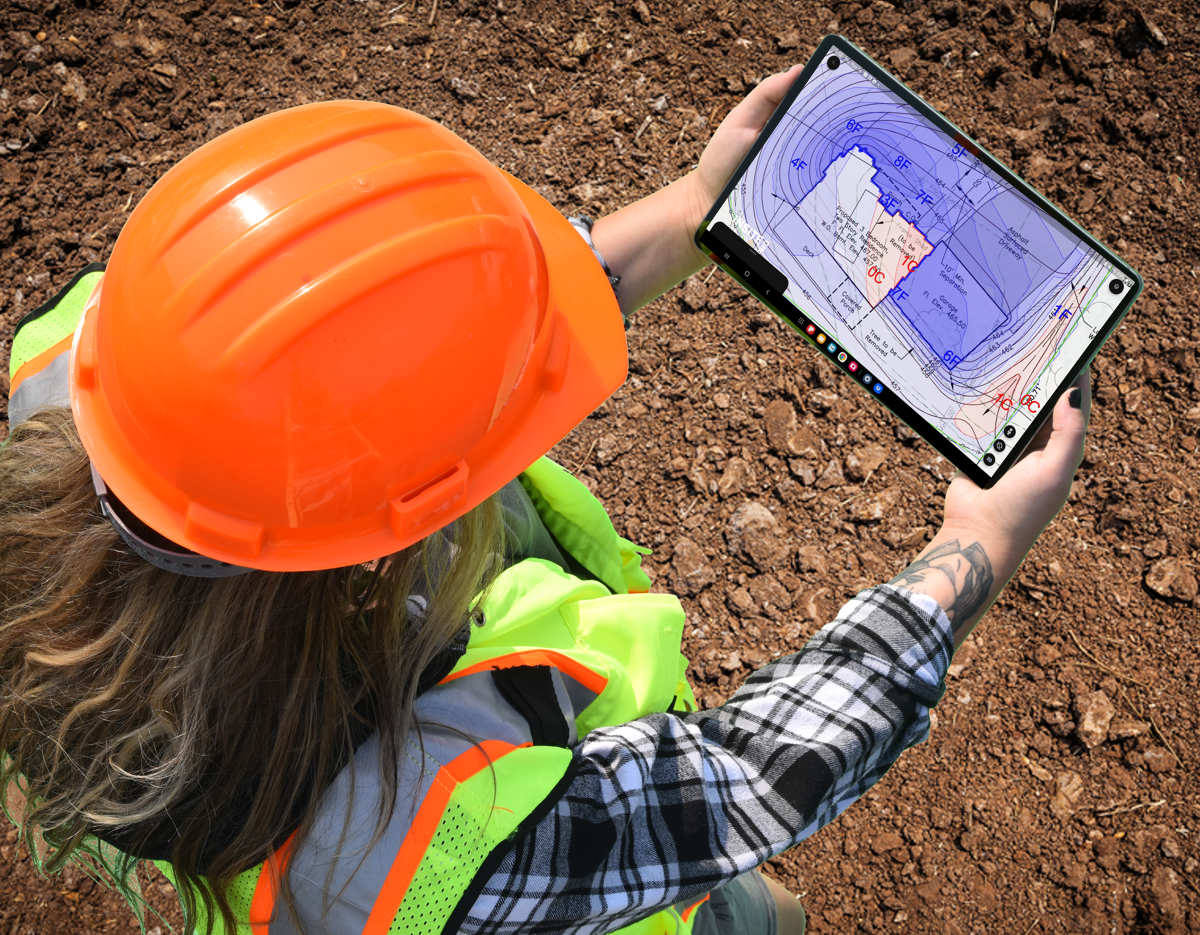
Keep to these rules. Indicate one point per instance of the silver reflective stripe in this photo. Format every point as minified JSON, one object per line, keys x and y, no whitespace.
{"x":454,"y":716}
{"x":50,"y":386}
{"x":579,"y":696}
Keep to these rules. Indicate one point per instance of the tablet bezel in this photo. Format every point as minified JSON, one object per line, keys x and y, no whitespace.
{"x":760,"y":285}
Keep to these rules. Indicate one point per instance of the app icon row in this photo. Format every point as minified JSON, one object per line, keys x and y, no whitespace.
{"x":843,"y":358}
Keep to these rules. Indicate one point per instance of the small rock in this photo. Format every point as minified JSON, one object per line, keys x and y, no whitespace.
{"x":33,"y":104}
{"x":698,"y":477}
{"x":874,"y":507}
{"x":610,"y":447}
{"x":803,"y":443}
{"x":1068,"y":787}
{"x":737,"y":477}
{"x":1163,"y":906}
{"x":732,"y":662}
{"x":693,"y":573}
{"x":1059,"y":722}
{"x":864,"y":461}
{"x":1045,"y":654}
{"x":1039,"y":771}
{"x":554,"y":106}
{"x":812,"y":558}
{"x":785,"y":42}
{"x":769,"y":594}
{"x":1093,"y":715}
{"x":579,"y":46}
{"x":803,"y":470}
{"x":641,"y":11}
{"x":1170,"y":847}
{"x":1106,"y":850}
{"x":1172,"y":578}
{"x":903,"y":56}
{"x":1124,"y":728}
{"x":815,"y":605}
{"x":1155,"y":548}
{"x":1159,"y":760}
{"x":741,"y":603}
{"x":1152,"y":28}
{"x":465,"y":89}
{"x":822,"y":400}
{"x":888,"y":841}
{"x":779,"y":420}
{"x":721,"y":400}
{"x":832,"y":475}
{"x":754,"y":532}
{"x":900,"y":537}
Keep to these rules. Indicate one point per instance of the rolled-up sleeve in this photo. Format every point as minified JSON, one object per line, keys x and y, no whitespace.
{"x":669,"y":806}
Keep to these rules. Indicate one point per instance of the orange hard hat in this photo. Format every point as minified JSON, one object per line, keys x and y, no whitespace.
{"x":330,"y":332}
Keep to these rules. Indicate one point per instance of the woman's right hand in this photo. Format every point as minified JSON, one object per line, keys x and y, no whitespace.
{"x":986,"y":534}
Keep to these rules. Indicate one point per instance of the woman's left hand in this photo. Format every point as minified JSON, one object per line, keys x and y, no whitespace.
{"x":733,"y":139}
{"x":649,"y":243}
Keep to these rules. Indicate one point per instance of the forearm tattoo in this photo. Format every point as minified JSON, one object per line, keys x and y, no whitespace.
{"x":968,"y":570}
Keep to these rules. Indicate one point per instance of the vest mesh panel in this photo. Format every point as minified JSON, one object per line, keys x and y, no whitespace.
{"x":474,"y":822}
{"x":241,"y":895}
{"x":38,"y":336}
{"x":241,"y":892}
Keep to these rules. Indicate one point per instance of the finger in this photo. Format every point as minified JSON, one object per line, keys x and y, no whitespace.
{"x":755,"y":109}
{"x":1069,"y":423}
{"x":1042,"y":439}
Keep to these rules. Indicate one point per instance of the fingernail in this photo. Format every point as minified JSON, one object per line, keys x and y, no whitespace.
{"x":1075,"y":399}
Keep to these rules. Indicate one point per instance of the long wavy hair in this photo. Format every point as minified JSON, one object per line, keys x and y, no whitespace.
{"x":134,"y":701}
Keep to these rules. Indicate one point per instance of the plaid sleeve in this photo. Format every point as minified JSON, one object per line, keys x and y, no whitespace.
{"x":668,"y":807}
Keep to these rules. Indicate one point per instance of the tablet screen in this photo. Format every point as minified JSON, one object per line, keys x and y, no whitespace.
{"x":929,"y":271}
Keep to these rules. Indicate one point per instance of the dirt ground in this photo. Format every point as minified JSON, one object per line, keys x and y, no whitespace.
{"x":1029,"y":810}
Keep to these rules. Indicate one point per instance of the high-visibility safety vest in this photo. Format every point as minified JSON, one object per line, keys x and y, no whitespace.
{"x":555,"y":657}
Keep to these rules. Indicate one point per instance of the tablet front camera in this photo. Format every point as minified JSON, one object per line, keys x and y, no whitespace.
{"x":833,"y":62}
{"x":1116,"y":287}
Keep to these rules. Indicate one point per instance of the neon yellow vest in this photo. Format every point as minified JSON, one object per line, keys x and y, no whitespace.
{"x":623,"y":647}
{"x":613,"y":652}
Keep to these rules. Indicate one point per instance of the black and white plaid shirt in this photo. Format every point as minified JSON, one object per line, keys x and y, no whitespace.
{"x":667,"y":807}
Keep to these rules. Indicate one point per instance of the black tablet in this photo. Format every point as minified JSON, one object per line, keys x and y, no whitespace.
{"x":923,"y":268}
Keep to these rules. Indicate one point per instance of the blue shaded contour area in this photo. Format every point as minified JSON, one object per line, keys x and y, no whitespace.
{"x":948,"y":306}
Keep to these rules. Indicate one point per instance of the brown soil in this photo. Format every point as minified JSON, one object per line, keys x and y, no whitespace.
{"x":1006,"y":820}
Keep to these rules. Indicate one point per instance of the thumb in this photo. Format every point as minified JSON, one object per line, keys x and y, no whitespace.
{"x":756,"y":108}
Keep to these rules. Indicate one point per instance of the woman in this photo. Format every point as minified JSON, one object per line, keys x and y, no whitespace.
{"x":293,"y":606}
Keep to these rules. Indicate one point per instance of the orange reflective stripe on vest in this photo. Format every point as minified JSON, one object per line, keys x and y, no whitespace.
{"x":588,"y":678}
{"x":423,"y":827}
{"x":262,"y":906}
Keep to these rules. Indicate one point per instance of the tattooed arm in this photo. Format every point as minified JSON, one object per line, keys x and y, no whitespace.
{"x":957,"y":576}
{"x":988,"y":533}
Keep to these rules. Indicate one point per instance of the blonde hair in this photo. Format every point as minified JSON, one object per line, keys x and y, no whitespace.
{"x":126,"y":688}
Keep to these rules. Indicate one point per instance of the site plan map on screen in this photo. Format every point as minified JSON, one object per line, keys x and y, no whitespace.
{"x":919,"y":260}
